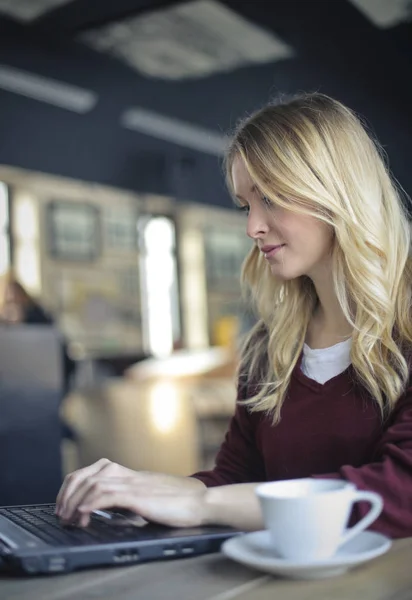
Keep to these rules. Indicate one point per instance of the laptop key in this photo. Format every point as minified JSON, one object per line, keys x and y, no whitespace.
{"x":82,"y":536}
{"x":42,"y":522}
{"x":35,"y":531}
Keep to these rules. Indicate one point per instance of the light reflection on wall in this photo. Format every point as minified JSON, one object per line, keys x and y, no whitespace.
{"x":164,"y":406}
{"x":26,"y":236}
{"x":160,"y":284}
{"x":194,"y":289}
{"x":4,"y":234}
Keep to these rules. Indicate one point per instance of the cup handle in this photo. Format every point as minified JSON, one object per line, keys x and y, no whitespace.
{"x":376,"y":509}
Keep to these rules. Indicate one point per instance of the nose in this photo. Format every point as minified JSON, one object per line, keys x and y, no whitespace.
{"x":257,"y":225}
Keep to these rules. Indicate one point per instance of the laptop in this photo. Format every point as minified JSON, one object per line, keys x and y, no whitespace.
{"x":33,"y":541}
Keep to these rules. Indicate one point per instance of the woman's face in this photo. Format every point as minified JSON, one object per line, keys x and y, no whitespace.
{"x":293,"y":244}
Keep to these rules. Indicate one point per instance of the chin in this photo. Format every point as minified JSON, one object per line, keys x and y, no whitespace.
{"x":283,"y":274}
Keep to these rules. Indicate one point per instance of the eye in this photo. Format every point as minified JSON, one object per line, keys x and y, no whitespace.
{"x":244,"y":209}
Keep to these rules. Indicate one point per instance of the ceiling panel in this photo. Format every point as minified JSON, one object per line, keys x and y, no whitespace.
{"x":27,"y":10}
{"x":194,"y":39}
{"x":385,"y":13}
{"x":46,"y":89}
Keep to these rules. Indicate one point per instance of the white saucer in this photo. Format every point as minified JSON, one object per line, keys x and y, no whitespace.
{"x":254,"y":550}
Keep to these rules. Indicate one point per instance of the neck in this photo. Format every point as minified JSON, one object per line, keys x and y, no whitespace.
{"x":328,"y":325}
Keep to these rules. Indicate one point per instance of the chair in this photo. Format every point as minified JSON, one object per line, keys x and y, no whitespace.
{"x":31,"y":391}
{"x":30,"y":438}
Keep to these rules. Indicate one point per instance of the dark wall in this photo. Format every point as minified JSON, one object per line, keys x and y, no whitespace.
{"x":339,"y":53}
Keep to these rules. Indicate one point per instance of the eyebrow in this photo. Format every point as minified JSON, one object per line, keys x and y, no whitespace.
{"x":252,"y":189}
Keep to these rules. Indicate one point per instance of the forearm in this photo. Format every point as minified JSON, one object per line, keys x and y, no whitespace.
{"x":234,"y":505}
{"x":165,"y":480}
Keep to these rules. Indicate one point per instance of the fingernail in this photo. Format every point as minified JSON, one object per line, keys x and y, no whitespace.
{"x":84,"y":521}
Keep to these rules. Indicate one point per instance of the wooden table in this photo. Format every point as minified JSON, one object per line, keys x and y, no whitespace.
{"x":214,"y":577}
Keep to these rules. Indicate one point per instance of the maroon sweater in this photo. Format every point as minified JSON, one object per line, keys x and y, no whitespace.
{"x":332,"y":430}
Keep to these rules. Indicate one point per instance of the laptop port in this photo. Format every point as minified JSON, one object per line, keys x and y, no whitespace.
{"x":169,"y":551}
{"x":57,"y":563}
{"x":126,"y":555}
{"x":188,"y":550}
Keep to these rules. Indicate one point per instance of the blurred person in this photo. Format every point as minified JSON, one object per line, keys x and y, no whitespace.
{"x":18,"y":307}
{"x":324,"y":381}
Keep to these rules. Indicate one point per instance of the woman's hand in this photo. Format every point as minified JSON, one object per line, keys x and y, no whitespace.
{"x":165,"y":499}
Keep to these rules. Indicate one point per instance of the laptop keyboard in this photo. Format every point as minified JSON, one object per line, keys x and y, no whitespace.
{"x":42,"y":522}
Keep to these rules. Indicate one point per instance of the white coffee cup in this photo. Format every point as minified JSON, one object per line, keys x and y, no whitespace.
{"x":307,"y":518}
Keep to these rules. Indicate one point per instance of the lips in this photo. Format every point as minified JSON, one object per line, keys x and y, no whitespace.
{"x":266,"y":249}
{"x":270,"y":251}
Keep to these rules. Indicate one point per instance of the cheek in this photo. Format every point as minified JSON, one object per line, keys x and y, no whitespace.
{"x":313,"y":237}
{"x":321,"y":240}
{"x":303,"y":232}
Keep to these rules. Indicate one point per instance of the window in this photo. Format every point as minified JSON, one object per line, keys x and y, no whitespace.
{"x":121,"y":229}
{"x":159,"y":286}
{"x":73,"y":231}
{"x":225,"y":252}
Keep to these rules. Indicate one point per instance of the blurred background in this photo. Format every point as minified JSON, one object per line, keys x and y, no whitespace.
{"x":120,"y":250}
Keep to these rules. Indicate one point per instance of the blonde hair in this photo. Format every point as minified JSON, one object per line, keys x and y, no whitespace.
{"x":317,"y":154}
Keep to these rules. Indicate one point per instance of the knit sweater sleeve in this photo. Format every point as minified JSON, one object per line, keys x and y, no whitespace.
{"x":239,"y":459}
{"x":389,"y":474}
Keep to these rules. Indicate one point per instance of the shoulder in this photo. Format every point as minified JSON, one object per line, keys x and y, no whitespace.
{"x":37,"y":315}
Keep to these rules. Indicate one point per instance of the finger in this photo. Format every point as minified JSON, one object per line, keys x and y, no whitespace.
{"x":103,"y":480}
{"x":91,"y":486}
{"x":77,"y":475}
{"x":119,"y":495}
{"x":73,"y":481}
{"x":151,"y":505}
{"x":172,"y":508}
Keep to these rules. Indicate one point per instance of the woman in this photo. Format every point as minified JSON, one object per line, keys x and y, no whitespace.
{"x":324,"y":384}
{"x":17,"y":306}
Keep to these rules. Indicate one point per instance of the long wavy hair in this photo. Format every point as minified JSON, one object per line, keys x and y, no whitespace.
{"x":314,"y":156}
